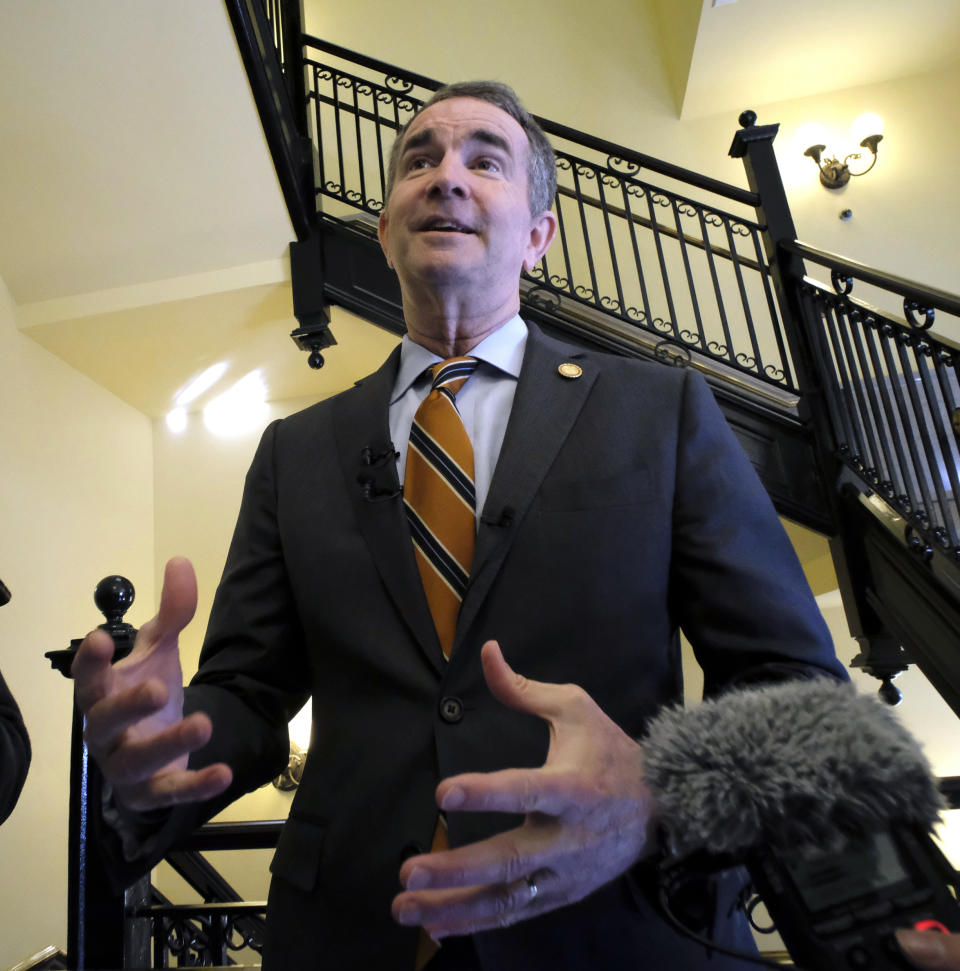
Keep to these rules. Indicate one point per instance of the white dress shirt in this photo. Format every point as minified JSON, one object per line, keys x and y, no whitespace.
{"x":484,"y":402}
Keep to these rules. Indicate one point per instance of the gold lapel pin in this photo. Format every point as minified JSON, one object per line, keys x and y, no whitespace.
{"x":571,"y":371}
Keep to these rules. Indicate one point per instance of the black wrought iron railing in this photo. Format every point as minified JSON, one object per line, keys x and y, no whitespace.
{"x":670,"y":264}
{"x":893,"y":390}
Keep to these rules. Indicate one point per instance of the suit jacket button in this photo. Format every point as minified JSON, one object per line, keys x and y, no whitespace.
{"x":413,"y":848}
{"x":451,"y":710}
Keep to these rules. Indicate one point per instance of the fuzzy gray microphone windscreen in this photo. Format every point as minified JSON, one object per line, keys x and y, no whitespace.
{"x":801,"y":762}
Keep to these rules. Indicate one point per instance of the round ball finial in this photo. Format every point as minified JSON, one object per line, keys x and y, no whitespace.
{"x":748,"y":119}
{"x":315,"y":360}
{"x":114,"y":597}
{"x":890,"y":693}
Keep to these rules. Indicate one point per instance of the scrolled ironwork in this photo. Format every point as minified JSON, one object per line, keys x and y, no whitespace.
{"x":623,"y":166}
{"x":720,"y":350}
{"x":584,"y":292}
{"x":543,"y":298}
{"x":670,"y":352}
{"x":746,"y":360}
{"x":775,"y":373}
{"x":842,"y":283}
{"x":610,"y":303}
{"x":398,"y":84}
{"x":910,"y":309}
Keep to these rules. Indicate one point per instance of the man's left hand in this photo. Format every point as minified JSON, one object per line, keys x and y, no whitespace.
{"x":588,"y":812}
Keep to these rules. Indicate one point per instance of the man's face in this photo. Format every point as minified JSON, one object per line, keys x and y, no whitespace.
{"x":459,"y":214}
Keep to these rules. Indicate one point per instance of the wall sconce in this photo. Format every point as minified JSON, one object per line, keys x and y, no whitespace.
{"x":835,"y":174}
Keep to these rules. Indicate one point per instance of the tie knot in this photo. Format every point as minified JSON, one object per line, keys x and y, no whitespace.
{"x":452,"y":373}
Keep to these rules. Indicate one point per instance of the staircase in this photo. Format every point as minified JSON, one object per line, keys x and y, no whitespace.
{"x":844,"y":398}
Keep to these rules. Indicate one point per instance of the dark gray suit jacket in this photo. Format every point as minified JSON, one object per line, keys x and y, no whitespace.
{"x":14,"y":751}
{"x":622,"y":508}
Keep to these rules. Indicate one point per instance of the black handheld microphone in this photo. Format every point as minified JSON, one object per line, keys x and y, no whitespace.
{"x":826,"y":799}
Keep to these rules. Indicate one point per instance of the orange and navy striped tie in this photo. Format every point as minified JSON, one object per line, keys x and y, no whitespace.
{"x":439,"y":495}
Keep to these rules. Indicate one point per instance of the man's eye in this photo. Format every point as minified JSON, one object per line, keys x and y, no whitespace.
{"x":487,"y":164}
{"x":418,"y":163}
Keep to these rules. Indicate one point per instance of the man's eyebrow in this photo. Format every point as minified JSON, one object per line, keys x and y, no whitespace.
{"x":419,"y":139}
{"x":425,"y":137}
{"x":491,"y":138}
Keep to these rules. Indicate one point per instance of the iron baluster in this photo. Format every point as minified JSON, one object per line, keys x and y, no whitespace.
{"x":744,"y":300}
{"x":844,"y":423}
{"x":341,"y":189}
{"x":718,"y":293}
{"x":589,"y":294}
{"x":671,"y":324}
{"x":701,"y":341}
{"x":564,"y":282}
{"x":786,"y":377}
{"x":920,"y":515}
{"x":358,"y":134}
{"x":621,"y":303}
{"x":638,"y":263}
{"x":872,"y":412}
{"x":939,"y":451}
{"x":883,"y":383}
{"x":381,"y":156}
{"x":906,"y":485}
{"x":942,"y":362}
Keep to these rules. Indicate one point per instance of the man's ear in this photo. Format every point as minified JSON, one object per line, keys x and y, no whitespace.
{"x":382,"y":236}
{"x":542,"y":230}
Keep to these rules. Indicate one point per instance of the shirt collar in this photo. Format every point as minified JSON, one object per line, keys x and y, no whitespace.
{"x":503,"y":349}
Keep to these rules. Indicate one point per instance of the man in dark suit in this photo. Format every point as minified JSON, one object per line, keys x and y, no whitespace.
{"x":613,"y":506}
{"x":14,"y":751}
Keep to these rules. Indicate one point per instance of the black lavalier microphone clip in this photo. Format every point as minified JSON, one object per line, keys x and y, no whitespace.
{"x":374,"y":478}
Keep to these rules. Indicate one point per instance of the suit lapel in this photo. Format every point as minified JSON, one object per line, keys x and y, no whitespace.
{"x":361,"y":422}
{"x":545,"y":407}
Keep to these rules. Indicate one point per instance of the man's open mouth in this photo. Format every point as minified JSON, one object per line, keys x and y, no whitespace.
{"x":444,"y":226}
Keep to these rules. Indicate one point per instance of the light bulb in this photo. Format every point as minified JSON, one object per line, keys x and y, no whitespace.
{"x":864,"y":125}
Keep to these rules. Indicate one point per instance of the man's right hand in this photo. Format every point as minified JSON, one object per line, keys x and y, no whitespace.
{"x":135,"y":728}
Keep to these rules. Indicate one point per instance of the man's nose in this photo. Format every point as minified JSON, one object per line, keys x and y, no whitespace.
{"x":448,"y":177}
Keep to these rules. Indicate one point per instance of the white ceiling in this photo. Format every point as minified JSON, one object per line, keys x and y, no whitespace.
{"x":143,"y":232}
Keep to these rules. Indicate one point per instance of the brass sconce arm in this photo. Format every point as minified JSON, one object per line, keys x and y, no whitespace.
{"x":835,"y":174}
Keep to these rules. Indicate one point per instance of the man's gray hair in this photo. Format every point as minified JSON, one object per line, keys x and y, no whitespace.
{"x":541,"y":164}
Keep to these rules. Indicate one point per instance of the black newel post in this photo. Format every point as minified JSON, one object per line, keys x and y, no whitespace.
{"x":95,"y":919}
{"x":881,"y":654}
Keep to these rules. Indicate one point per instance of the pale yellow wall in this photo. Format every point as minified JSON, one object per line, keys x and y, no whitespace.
{"x":76,"y":490}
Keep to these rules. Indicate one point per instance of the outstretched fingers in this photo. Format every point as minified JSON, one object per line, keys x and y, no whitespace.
{"x":454,"y":912}
{"x":171,"y":788}
{"x":136,"y":759}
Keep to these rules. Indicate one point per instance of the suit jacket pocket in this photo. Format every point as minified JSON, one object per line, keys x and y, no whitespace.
{"x":566,"y":494}
{"x":299,"y":851}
